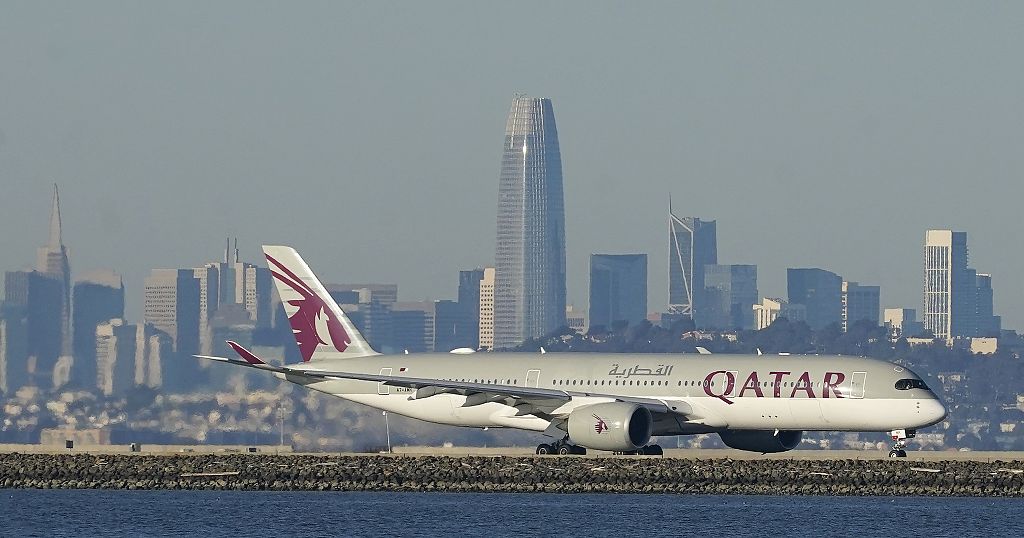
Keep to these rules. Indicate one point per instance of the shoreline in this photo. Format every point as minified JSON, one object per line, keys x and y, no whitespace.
{"x":523,"y":452}
{"x":511,"y":474}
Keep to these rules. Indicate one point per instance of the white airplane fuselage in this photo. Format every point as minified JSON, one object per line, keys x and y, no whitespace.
{"x":734,"y":392}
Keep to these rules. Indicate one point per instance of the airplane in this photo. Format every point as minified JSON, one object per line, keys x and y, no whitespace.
{"x":599,"y":401}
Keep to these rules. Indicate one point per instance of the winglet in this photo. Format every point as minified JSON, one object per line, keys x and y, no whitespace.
{"x":245,"y":353}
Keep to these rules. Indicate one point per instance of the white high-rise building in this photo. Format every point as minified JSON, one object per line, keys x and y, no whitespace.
{"x":172,"y":306}
{"x":115,"y":356}
{"x":902,"y":322}
{"x":487,"y":310}
{"x":949,"y":287}
{"x":209,"y":293}
{"x":770,"y":310}
{"x":151,"y":347}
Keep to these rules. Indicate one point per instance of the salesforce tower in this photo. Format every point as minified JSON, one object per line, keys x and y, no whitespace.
{"x":529,"y":295}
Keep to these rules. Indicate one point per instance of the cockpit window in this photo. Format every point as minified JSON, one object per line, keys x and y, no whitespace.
{"x":907,"y":384}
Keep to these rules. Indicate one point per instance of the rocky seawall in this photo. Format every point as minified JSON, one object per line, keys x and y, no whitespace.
{"x":513,"y":474}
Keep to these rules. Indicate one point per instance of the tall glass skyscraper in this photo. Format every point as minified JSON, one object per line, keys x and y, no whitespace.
{"x":618,"y":289}
{"x":692,"y":245}
{"x":820,"y":292}
{"x":529,"y":294}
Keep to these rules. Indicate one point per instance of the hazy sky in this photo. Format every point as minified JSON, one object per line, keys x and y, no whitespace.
{"x":368,"y":134}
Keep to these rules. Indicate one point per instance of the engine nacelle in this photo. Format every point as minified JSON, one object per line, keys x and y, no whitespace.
{"x":615,"y":426}
{"x":763,"y":441}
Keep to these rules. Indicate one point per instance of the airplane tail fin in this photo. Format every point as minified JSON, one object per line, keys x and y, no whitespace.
{"x":322,"y":330}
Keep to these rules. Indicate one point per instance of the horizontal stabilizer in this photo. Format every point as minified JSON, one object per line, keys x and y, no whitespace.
{"x":262,"y":366}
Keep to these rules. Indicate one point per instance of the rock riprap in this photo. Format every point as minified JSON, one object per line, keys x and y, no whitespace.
{"x":513,"y":474}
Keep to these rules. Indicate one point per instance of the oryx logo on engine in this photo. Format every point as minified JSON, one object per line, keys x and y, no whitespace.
{"x":600,"y":426}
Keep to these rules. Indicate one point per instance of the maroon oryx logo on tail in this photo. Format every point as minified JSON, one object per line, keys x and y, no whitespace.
{"x":600,"y":426}
{"x":311,"y":311}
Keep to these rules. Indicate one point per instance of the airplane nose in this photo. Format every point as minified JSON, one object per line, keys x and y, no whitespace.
{"x":933,"y":411}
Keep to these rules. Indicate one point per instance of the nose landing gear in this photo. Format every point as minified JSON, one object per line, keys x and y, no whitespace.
{"x":899,"y":446}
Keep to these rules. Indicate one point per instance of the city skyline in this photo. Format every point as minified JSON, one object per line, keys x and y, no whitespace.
{"x":233,"y":282}
{"x":806,"y":155}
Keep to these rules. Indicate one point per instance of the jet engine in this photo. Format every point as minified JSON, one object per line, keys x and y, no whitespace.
{"x":615,"y":426}
{"x":763,"y":441}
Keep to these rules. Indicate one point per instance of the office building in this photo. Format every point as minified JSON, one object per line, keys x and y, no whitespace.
{"x":115,"y":351}
{"x":172,"y":307}
{"x":32,"y":304}
{"x":730,"y":292}
{"x":152,"y":348}
{"x":949,"y":287}
{"x":986,"y":323}
{"x":529,"y":295}
{"x":448,"y":321}
{"x":902,"y":323}
{"x":467,"y":329}
{"x":425,"y":326}
{"x":384,"y":294}
{"x":208,"y":277}
{"x":575,"y":319}
{"x":255,"y":294}
{"x":860,"y":303}
{"x":413,"y":325}
{"x":820,"y":292}
{"x":693,"y":245}
{"x":13,"y":353}
{"x":98,"y":298}
{"x":232,"y":282}
{"x":618,"y":289}
{"x":370,"y":311}
{"x":769,"y":310}
{"x":487,"y":310}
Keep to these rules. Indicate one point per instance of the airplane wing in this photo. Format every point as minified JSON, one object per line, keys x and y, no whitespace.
{"x":530,"y":400}
{"x":479,"y":393}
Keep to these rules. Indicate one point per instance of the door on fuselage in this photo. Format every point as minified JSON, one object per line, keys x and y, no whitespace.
{"x":857,"y":384}
{"x":383,"y":389}
{"x":532,"y":378}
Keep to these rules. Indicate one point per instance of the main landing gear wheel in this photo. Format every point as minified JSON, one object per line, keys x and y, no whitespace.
{"x":649,"y":450}
{"x":561,"y":447}
{"x":899,"y":445}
